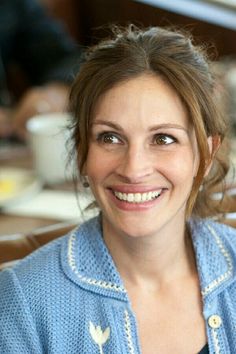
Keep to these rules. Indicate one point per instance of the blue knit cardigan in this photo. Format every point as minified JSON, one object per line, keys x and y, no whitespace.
{"x":68,"y":297}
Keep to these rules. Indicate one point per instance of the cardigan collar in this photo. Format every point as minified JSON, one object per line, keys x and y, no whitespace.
{"x":87,"y":261}
{"x":214,"y":254}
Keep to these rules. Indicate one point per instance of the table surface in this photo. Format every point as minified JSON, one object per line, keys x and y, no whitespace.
{"x":19,"y":156}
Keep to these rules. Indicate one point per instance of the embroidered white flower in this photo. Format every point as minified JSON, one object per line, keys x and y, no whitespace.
{"x":98,"y":335}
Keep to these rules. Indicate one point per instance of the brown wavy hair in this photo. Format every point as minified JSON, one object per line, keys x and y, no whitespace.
{"x":168,"y":53}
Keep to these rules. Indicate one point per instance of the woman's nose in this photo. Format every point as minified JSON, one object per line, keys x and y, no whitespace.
{"x":136,"y":164}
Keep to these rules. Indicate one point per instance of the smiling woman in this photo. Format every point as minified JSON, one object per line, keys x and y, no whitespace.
{"x":151,"y":268}
{"x":187,"y":71}
{"x":129,"y":172}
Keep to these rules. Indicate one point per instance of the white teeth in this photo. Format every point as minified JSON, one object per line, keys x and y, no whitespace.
{"x":138,"y":197}
{"x":144,"y":197}
{"x":130,"y":198}
{"x":119,"y":195}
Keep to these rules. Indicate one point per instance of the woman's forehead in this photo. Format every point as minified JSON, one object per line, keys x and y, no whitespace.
{"x":146,"y":99}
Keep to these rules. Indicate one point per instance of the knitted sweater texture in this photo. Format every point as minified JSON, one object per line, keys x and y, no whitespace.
{"x":68,"y":297}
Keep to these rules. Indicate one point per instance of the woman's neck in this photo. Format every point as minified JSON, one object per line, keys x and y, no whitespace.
{"x":152,"y":260}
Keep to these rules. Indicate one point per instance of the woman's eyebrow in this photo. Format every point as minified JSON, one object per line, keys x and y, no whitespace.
{"x":168,"y":126}
{"x":108,"y":123}
{"x":152,"y":128}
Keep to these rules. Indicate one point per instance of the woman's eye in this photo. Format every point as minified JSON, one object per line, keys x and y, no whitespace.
{"x":163,"y":139}
{"x":108,"y":138}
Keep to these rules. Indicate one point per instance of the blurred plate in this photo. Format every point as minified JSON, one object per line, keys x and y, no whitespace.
{"x":17,"y":184}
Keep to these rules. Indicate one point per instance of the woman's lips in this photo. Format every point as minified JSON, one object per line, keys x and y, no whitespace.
{"x":134,"y":198}
{"x":137,"y":197}
{"x":128,"y":188}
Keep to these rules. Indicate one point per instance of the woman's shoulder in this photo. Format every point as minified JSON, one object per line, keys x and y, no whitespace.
{"x":46,"y":260}
{"x":36,"y":265}
{"x":215,"y":250}
{"x":209,"y":234}
{"x":204,"y":225}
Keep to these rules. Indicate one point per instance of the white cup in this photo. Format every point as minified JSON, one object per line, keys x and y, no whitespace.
{"x":48,"y":140}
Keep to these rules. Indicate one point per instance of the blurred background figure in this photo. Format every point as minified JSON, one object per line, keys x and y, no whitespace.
{"x":37,"y":62}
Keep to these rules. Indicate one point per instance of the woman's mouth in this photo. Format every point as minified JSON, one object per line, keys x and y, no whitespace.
{"x":136,"y":198}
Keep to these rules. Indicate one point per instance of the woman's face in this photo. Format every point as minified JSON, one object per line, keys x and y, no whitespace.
{"x":142,"y":157}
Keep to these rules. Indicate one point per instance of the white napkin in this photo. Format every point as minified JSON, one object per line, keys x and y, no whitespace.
{"x":54,"y":205}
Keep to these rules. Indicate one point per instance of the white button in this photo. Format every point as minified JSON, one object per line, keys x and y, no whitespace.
{"x":214,"y":321}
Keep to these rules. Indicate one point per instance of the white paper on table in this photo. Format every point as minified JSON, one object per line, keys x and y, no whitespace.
{"x":54,"y":205}
{"x":230,"y":216}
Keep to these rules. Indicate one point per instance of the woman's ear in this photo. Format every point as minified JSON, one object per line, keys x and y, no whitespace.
{"x":84,"y":177}
{"x":214,"y":143}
